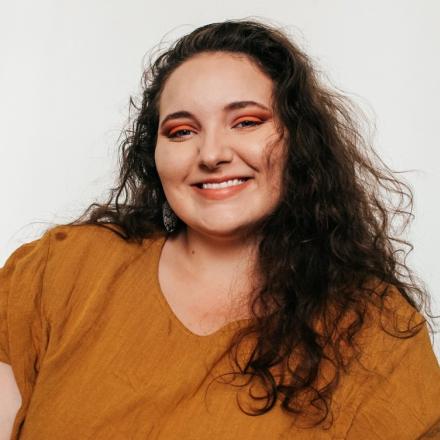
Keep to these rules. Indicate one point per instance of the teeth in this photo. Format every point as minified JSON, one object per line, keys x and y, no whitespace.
{"x":226,"y":184}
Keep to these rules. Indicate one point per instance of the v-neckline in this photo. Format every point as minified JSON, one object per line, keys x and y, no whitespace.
{"x":224,"y":330}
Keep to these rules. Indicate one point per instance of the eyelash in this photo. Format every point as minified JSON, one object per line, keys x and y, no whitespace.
{"x":173,"y":135}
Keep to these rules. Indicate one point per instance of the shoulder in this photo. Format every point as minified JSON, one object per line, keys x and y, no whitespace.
{"x":63,"y":244}
{"x":391,"y":316}
{"x":80,"y":256}
{"x":91,"y":250}
{"x":94,"y":248}
{"x":85,"y":235}
{"x":397,"y":373}
{"x":393,"y":342}
{"x":379,"y":329}
{"x":91,"y":242}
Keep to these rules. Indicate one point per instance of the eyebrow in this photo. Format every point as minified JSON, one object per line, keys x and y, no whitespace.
{"x":231,"y":106}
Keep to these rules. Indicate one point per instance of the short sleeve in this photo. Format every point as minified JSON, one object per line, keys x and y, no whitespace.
{"x":22,"y":327}
{"x":404,"y":404}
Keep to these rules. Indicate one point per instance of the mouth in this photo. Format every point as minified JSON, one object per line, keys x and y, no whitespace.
{"x":217,"y":191}
{"x":222,"y":185}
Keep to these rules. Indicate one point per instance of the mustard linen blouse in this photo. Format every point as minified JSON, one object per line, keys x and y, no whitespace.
{"x":98,"y":354}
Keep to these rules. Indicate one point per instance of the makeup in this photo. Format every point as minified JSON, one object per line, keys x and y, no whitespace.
{"x":222,"y":193}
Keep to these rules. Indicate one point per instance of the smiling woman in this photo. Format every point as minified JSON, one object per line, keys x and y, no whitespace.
{"x":252,"y":243}
{"x":207,"y":100}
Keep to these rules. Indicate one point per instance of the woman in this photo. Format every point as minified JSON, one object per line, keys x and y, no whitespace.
{"x":242,"y":267}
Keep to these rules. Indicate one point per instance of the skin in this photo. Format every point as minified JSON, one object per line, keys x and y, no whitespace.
{"x":217,"y":247}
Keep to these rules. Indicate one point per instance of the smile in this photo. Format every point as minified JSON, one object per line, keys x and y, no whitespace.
{"x":225,"y":184}
{"x":222,"y":190}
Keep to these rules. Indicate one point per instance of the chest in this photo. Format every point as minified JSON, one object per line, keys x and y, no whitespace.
{"x":202,"y":308}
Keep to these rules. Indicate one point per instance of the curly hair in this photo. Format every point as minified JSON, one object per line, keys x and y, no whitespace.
{"x":328,"y":243}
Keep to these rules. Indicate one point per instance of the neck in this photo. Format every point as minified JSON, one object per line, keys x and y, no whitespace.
{"x":218,"y":260}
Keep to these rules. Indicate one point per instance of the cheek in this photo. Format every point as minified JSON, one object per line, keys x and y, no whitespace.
{"x":168,"y":164}
{"x":158,"y":155}
{"x":271,"y":160}
{"x":274,"y":167}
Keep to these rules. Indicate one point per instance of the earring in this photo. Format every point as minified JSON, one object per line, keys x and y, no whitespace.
{"x":169,"y":218}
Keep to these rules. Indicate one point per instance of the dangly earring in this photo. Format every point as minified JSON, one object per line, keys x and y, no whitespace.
{"x":169,"y":218}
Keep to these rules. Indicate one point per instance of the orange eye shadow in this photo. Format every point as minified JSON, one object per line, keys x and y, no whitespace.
{"x":249,"y":118}
{"x":179,"y":127}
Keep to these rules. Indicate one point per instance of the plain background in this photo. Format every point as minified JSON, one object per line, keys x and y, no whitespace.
{"x":68,"y":68}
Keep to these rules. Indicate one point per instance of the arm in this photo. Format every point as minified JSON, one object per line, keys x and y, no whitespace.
{"x":10,"y":400}
{"x":405,"y":403}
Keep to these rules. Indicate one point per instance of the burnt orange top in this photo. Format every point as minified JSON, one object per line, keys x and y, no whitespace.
{"x":98,"y":354}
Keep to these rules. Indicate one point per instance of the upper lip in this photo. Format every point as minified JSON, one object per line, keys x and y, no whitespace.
{"x":221,"y":179}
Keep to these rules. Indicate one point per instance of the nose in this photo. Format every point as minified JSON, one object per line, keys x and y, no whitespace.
{"x":214,"y":149}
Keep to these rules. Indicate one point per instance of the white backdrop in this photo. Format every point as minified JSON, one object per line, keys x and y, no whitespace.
{"x":67,"y":69}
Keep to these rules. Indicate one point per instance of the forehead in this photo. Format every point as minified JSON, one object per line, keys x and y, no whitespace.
{"x":211,"y":80}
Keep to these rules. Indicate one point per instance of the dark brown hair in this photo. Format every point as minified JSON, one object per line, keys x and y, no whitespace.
{"x":327,"y":245}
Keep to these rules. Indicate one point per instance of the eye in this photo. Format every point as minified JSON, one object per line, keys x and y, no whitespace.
{"x":249,"y":123}
{"x":177,"y":133}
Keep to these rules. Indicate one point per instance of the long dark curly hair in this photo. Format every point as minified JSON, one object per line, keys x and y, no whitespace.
{"x":328,"y":245}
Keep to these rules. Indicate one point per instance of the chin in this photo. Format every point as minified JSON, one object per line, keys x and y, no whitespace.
{"x":223,"y":230}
